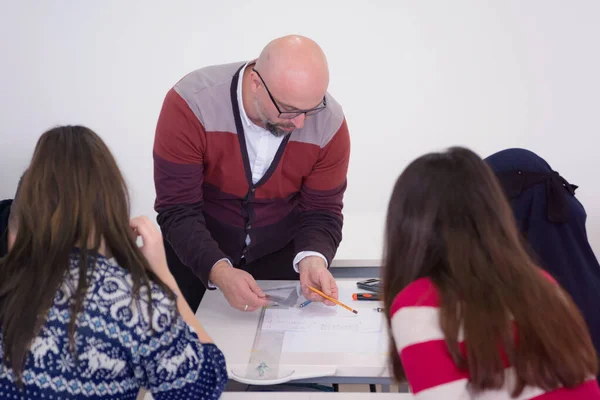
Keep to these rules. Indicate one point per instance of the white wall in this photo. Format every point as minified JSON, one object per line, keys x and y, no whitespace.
{"x":413,"y":76}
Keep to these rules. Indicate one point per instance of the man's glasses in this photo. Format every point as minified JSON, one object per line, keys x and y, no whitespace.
{"x":292,"y":114}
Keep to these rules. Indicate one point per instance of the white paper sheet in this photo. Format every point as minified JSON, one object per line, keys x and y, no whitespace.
{"x":327,"y":342}
{"x":320,"y":318}
{"x":317,"y":328}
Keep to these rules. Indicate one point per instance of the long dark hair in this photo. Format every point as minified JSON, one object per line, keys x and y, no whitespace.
{"x":448,"y":220}
{"x":72,"y":195}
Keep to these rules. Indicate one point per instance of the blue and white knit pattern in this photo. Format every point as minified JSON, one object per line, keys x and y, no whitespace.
{"x":117,"y":352}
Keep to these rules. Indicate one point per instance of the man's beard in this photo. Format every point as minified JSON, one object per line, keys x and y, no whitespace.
{"x":275,"y":129}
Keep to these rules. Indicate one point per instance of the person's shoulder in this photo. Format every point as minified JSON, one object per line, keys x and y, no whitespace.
{"x":208,"y":77}
{"x":332,"y":117}
{"x":322,"y":127}
{"x":547,"y":276}
{"x":333,"y":107}
{"x":420,"y":293}
{"x":114,"y":278}
{"x":5,"y":203}
{"x":112,"y":295}
{"x":207,"y":92}
{"x":415,"y":315}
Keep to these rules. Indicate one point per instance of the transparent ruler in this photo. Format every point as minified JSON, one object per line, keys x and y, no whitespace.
{"x":265,"y":357}
{"x":266,"y":354}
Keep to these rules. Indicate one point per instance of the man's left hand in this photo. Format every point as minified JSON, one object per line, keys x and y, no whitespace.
{"x":314,"y":272}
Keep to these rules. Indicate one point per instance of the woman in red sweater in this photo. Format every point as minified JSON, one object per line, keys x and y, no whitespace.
{"x":471,"y":316}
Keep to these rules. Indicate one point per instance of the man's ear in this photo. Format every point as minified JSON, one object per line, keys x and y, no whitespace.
{"x":255,"y":82}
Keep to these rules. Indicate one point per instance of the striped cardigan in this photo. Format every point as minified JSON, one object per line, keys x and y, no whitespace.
{"x":429,"y":368}
{"x":205,"y":198}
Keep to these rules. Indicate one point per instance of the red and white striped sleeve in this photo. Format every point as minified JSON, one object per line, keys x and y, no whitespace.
{"x":419,"y":339}
{"x":429,"y":368}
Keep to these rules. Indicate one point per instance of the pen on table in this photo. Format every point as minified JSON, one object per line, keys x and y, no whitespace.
{"x":365,"y":296}
{"x":307,"y":302}
{"x":339,"y":303}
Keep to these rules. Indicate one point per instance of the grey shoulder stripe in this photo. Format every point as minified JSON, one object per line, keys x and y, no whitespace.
{"x":320,"y":128}
{"x":206,"y":91}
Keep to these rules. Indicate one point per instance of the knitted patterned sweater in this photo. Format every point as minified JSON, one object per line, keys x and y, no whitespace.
{"x":116,"y":351}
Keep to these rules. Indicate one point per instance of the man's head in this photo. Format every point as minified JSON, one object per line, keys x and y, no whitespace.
{"x":288,"y":83}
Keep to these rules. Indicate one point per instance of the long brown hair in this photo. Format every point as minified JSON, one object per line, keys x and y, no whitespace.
{"x":448,"y":220}
{"x":72,"y":195}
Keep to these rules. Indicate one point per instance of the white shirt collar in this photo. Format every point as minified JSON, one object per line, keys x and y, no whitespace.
{"x":245,"y":120}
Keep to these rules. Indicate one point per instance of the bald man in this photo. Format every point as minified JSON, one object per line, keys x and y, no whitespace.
{"x":250,"y":163}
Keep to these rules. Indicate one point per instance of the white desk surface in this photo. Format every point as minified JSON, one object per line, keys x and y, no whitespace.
{"x":234,"y":331}
{"x":308,"y":396}
{"x":314,"y":396}
{"x":355,"y":263}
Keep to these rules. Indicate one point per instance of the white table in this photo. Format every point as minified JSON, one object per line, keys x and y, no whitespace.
{"x":308,"y":396}
{"x":314,"y":396}
{"x":355,"y":263}
{"x":234,"y":332}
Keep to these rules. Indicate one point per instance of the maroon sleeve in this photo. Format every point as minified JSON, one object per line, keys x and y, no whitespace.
{"x":179,"y":146}
{"x":321,"y":198}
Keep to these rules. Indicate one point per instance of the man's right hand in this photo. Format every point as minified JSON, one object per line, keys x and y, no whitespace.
{"x":238,"y":286}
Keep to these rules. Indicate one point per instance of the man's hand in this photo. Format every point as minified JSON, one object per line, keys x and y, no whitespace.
{"x":239,"y":287}
{"x":314,"y":272}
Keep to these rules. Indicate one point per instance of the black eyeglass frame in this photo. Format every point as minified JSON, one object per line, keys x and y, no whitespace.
{"x":291,"y":114}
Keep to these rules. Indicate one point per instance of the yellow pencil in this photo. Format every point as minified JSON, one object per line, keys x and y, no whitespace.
{"x":339,"y":303}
